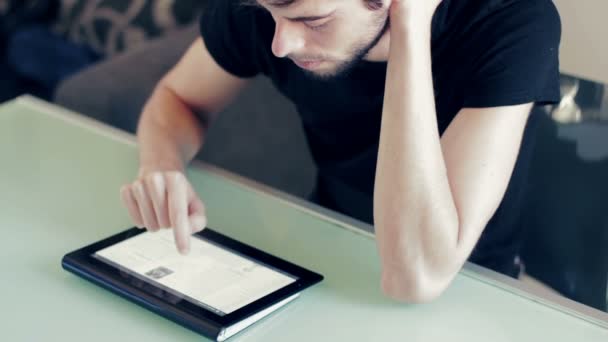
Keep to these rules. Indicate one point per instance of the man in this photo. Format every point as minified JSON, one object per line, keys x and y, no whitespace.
{"x":414,"y":111}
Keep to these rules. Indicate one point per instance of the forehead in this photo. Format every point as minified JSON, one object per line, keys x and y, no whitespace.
{"x":297,"y":4}
{"x":278,"y":3}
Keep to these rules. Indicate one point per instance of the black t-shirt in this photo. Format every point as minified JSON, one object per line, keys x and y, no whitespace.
{"x":485,"y":53}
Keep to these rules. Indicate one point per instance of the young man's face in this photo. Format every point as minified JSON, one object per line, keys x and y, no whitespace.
{"x":326,"y":37}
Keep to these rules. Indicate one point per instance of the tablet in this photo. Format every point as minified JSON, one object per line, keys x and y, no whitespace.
{"x":221,"y":287}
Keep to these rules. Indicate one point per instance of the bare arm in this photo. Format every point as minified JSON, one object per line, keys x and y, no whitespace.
{"x":170,"y":133}
{"x":173,"y":123}
{"x":434,"y":196}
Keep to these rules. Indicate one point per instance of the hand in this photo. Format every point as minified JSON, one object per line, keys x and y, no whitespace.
{"x":165,"y":200}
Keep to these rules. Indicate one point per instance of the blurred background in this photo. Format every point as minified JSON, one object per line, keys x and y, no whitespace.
{"x":102,"y":58}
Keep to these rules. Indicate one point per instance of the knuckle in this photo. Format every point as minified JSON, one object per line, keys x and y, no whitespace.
{"x":176,"y":176}
{"x":125,"y":188}
{"x":157,"y":180}
{"x":140,"y":191}
{"x":148,"y":180}
{"x":137,"y":185}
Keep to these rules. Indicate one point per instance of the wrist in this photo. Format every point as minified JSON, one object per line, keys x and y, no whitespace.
{"x":408,"y":43}
{"x":411,"y":30}
{"x":407,"y":18}
{"x":165,"y":165}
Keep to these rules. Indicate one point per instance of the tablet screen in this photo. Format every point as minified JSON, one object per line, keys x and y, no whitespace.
{"x":211,"y":276}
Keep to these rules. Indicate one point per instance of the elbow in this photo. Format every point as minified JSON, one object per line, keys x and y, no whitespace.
{"x":414,"y":287}
{"x":419,"y":272}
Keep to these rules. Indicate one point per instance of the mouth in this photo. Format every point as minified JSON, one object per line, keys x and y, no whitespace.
{"x":309,"y":64}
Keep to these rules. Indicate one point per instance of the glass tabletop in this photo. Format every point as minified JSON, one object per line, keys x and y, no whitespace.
{"x":60,"y":179}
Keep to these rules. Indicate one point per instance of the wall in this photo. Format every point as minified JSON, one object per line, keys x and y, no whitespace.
{"x":584,"y":50}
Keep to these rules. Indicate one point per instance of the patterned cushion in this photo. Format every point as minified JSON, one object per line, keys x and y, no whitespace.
{"x":111,"y":26}
{"x":3,"y":6}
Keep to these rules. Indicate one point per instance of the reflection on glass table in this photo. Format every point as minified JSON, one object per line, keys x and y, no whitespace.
{"x":566,"y":212}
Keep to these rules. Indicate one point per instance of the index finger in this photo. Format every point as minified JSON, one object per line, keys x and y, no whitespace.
{"x":177,"y":195}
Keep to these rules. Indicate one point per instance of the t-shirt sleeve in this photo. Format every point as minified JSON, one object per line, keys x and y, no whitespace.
{"x":514,"y":55}
{"x":228,"y":29}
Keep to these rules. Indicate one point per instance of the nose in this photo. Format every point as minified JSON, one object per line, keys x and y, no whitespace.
{"x":287,"y":38}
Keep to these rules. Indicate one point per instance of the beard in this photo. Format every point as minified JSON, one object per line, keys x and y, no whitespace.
{"x":358,"y":53}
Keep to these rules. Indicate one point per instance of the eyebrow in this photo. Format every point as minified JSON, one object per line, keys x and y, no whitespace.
{"x":276,"y":3}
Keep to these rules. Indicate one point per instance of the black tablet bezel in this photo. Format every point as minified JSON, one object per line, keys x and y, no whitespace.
{"x":92,"y":266}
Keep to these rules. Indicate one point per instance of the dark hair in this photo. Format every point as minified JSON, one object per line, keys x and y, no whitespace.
{"x":371,"y":4}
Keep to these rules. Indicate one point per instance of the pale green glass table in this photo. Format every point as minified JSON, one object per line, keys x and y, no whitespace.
{"x":59,"y":180}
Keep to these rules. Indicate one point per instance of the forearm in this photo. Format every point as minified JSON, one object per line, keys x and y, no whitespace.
{"x":415,"y":216}
{"x":169,"y":132}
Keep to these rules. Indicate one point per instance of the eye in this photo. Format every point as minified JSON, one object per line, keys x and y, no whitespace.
{"x":317,"y":25}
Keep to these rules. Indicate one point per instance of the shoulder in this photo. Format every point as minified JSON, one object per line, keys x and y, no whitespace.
{"x":237,"y":19}
{"x":237,"y":35}
{"x":479,"y":27}
{"x":474,"y":16}
{"x":523,"y":16}
{"x":533,"y":12}
{"x":228,"y":9}
{"x":509,"y":50}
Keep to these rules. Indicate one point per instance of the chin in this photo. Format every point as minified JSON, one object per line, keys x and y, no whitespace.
{"x":326,"y":73}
